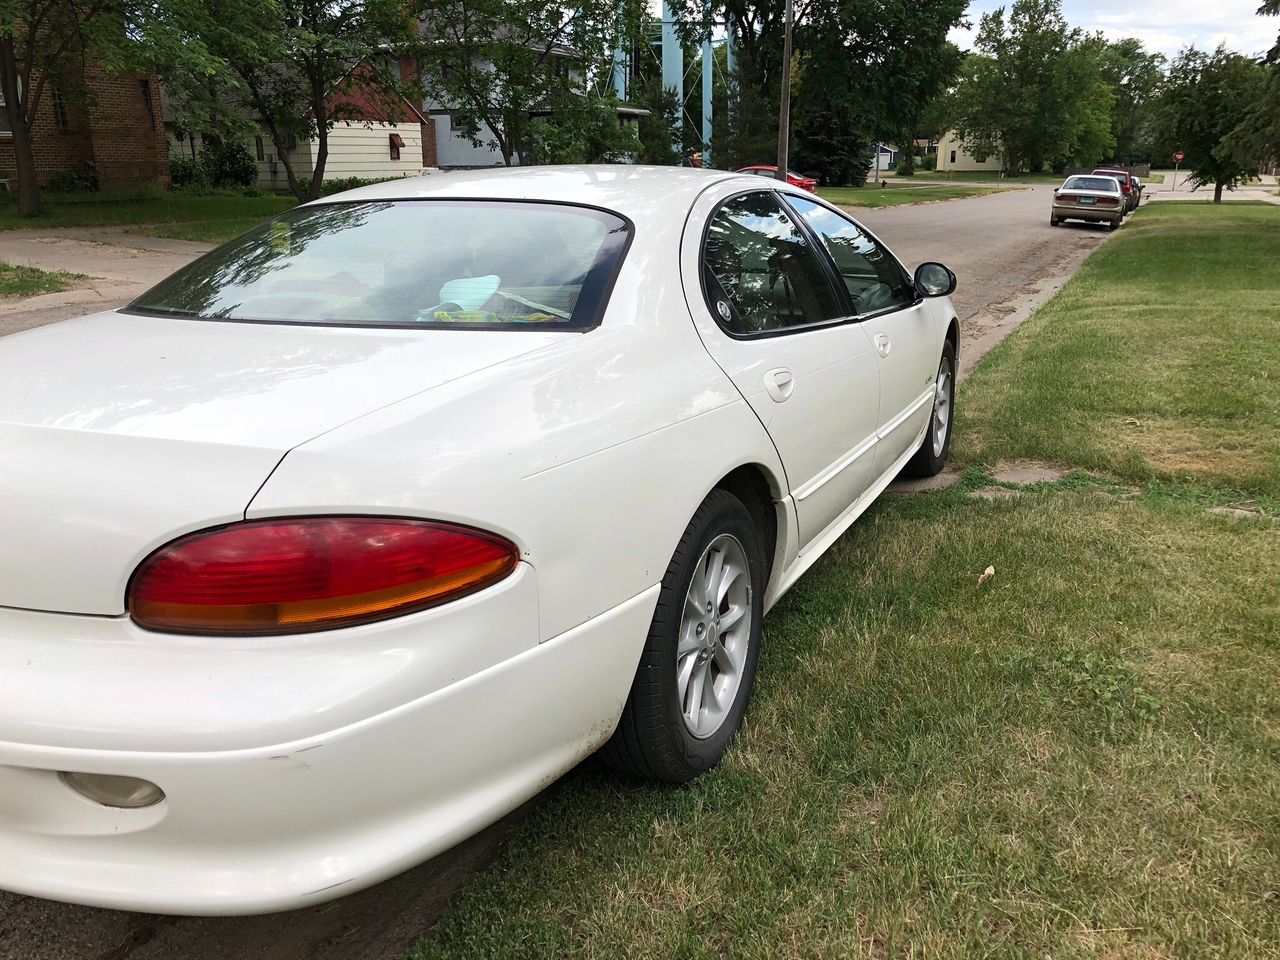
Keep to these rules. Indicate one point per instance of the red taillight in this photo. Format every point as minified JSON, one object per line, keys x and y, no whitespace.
{"x":1107,"y":201}
{"x":1124,"y":188}
{"x":1067,"y":198}
{"x":311,"y":573}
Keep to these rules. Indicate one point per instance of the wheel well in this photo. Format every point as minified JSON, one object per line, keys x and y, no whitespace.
{"x":750,"y":484}
{"x":953,"y":334}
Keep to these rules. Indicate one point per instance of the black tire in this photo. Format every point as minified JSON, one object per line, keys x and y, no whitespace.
{"x":927,"y":463}
{"x":1054,"y":221}
{"x":1113,"y":225}
{"x":652,"y":739}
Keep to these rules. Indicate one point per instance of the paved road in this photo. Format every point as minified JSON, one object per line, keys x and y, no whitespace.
{"x":1007,"y":258}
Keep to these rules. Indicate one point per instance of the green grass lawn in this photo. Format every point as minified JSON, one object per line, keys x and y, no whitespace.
{"x":898,"y":193}
{"x":141,"y":207}
{"x":989,"y":176}
{"x":18,"y":281}
{"x":201,"y":231}
{"x":1079,"y":758}
{"x":1161,"y":360}
{"x":1153,"y":178}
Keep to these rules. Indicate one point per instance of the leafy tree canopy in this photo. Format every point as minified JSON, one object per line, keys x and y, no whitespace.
{"x":1035,"y":93}
{"x":501,"y":64}
{"x":1206,"y":99}
{"x":284,"y":63}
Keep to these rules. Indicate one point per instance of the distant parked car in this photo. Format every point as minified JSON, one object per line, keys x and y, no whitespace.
{"x":1126,"y":186}
{"x":1094,"y":199}
{"x":1138,"y":188}
{"x":793,"y":178}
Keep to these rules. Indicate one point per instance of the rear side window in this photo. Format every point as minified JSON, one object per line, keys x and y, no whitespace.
{"x":761,"y":272}
{"x":408,"y":263}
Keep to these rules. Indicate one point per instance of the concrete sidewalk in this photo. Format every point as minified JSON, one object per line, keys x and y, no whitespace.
{"x":118,"y":266}
{"x":1262,"y":192}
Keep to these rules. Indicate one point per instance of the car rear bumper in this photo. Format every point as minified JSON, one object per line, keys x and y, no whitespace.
{"x":303,"y":811}
{"x":1094,"y":214}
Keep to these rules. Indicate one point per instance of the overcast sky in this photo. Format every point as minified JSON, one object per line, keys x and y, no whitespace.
{"x":1165,"y":27}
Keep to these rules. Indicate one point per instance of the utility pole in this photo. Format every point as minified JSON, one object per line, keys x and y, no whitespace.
{"x":784,"y":106}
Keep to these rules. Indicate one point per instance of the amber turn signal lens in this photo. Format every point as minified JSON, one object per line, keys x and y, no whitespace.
{"x":311,"y":573}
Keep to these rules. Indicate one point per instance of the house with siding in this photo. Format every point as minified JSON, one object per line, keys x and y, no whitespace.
{"x":376,"y":140}
{"x":954,"y":156}
{"x":112,"y":133}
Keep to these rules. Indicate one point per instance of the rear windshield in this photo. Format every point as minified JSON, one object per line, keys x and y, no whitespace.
{"x":407,"y":263}
{"x":1091,"y":183}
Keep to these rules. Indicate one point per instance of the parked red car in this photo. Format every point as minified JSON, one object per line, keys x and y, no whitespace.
{"x":793,"y":178}
{"x":1126,"y":186}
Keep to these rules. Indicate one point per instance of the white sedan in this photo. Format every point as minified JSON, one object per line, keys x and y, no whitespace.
{"x":351,"y":536}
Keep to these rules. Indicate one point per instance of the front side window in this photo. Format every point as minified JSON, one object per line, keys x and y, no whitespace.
{"x":873,"y":278}
{"x":761,"y":272}
{"x":407,"y":263}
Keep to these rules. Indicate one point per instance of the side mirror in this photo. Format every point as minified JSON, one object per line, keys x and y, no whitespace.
{"x":935,"y":280}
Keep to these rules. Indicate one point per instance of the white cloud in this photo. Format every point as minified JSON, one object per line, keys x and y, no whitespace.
{"x":1166,"y":28}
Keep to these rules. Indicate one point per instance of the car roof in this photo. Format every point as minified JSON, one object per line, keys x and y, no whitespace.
{"x":637,"y":192}
{"x":1119,"y":173}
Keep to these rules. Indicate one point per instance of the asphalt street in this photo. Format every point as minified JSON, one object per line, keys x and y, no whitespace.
{"x":1008,"y":259}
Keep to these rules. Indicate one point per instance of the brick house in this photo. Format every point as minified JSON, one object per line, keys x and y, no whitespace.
{"x":117,"y":128}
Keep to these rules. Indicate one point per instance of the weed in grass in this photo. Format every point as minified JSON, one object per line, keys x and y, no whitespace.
{"x":19,"y":281}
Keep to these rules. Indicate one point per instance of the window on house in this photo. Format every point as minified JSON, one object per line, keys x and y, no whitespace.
{"x":396,"y":143}
{"x":60,"y":111}
{"x":953,"y":156}
{"x":290,"y":142}
{"x":144,"y":86}
{"x":5,"y":129}
{"x":259,"y":149}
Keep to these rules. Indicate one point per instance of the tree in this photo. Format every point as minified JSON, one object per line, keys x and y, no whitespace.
{"x":1034,"y":92}
{"x":870,"y":69}
{"x":1258,"y":135}
{"x":582,"y":130}
{"x":40,"y":41}
{"x":1206,"y":98}
{"x":659,"y":131}
{"x":1135,"y":76}
{"x":286,"y":64}
{"x":501,"y":63}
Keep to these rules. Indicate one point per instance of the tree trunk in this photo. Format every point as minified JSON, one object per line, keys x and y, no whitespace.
{"x":320,"y":114}
{"x":1217,"y":190}
{"x":322,"y":157}
{"x":907,"y":160}
{"x":24,"y":158}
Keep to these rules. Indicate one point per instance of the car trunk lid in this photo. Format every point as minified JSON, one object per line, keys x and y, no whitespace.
{"x":120,"y":432}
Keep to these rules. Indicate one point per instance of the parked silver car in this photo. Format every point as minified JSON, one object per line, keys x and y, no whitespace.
{"x":1092,"y":198}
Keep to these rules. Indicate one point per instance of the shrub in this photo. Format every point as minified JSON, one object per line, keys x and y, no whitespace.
{"x":82,"y":179}
{"x":185,"y":172}
{"x":229,"y":164}
{"x":928,"y":162}
{"x":330,"y":187}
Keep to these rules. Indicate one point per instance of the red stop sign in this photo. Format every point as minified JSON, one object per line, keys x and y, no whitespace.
{"x":1177,"y":157}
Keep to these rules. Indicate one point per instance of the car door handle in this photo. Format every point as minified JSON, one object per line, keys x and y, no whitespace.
{"x":779,"y":384}
{"x":882,"y":344}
